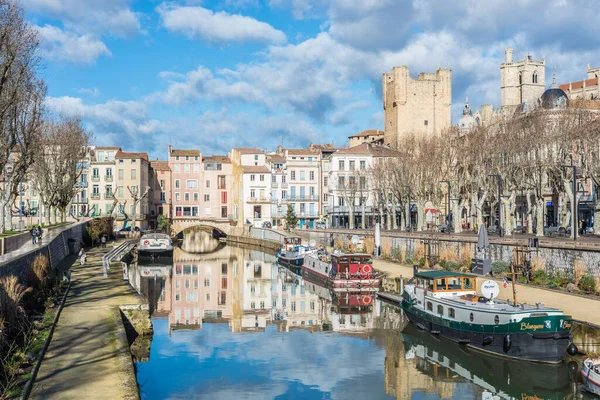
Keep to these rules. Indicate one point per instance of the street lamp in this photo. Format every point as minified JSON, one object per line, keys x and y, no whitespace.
{"x":499,"y":180}
{"x":448,"y":204}
{"x":574,"y":216}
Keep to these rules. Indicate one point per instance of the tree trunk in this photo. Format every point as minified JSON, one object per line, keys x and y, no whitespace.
{"x":363,"y":217}
{"x":420,"y":215}
{"x":479,"y":206}
{"x":529,"y":214}
{"x":539,"y":205}
{"x":457,"y":215}
{"x":394,"y":221}
{"x":407,"y":220}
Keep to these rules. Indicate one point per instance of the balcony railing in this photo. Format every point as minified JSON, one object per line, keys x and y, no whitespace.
{"x":257,"y":199}
{"x":95,"y":178}
{"x":274,"y":184}
{"x":284,"y":185}
{"x":80,"y":200}
{"x":81,"y":184}
{"x":108,"y":178}
{"x":108,"y":196}
{"x":95,"y":196}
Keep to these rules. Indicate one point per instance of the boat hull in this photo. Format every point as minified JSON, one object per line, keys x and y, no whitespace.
{"x":528,"y":346}
{"x":591,"y":379}
{"x":290,"y":261}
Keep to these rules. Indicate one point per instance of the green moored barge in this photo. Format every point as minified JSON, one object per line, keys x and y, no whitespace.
{"x":448,"y":304}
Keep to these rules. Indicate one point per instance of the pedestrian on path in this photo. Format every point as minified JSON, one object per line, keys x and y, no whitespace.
{"x":104,"y":241}
{"x":40,"y":232}
{"x":82,"y":256}
{"x":33,"y":233}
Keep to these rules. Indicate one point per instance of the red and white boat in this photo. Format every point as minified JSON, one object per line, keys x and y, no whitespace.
{"x":342,"y":271}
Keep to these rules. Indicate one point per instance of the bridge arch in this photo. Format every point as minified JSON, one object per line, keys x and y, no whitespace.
{"x":222,"y":225}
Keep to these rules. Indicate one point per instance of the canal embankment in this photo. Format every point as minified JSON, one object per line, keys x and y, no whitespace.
{"x":89,"y":354}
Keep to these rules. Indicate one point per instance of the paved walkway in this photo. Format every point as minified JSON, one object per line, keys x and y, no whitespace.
{"x":49,"y":236}
{"x":580,"y":308}
{"x":86,"y":359}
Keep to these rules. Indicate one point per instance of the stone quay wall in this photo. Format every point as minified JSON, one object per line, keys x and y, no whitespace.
{"x":56,"y":250}
{"x":555,"y":256}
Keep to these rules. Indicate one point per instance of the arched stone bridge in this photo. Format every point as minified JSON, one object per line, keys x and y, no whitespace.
{"x":179,"y":224}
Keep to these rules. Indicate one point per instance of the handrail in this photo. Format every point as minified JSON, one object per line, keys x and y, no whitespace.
{"x":114,"y":253}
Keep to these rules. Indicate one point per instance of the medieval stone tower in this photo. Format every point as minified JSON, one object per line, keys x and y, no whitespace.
{"x":420,"y":106}
{"x":521,"y":81}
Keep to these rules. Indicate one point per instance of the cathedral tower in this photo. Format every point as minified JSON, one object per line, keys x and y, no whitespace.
{"x":521,"y":81}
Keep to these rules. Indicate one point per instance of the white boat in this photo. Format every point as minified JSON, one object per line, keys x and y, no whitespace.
{"x":590,"y":373}
{"x":155,"y":249}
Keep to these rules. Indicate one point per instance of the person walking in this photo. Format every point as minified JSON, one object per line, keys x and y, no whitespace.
{"x":82,"y":256}
{"x":33,"y":232}
{"x":103,"y":241}
{"x":40,"y":232}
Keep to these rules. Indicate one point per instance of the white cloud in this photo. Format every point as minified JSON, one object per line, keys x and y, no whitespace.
{"x":204,"y":24}
{"x":68,"y":46}
{"x":90,"y":91}
{"x":90,"y":16}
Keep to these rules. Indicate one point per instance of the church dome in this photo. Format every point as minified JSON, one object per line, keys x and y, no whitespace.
{"x":467,"y":122}
{"x":554,"y":97}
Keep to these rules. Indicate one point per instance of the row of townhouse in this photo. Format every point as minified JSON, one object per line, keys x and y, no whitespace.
{"x":246,"y":186}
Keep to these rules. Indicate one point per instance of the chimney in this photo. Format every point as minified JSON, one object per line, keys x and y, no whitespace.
{"x":170,"y":150}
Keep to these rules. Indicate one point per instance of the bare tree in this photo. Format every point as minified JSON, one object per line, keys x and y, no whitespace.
{"x":135,"y":195}
{"x":21,"y":95}
{"x":60,"y":163}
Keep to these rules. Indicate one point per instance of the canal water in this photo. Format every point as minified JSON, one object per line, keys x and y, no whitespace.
{"x":230,"y":324}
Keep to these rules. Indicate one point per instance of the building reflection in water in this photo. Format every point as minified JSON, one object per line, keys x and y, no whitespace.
{"x":245,"y":289}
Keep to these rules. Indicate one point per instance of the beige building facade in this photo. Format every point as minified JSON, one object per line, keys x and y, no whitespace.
{"x":421,"y":106}
{"x":160,"y":191}
{"x":374,"y":136}
{"x":132,"y":180}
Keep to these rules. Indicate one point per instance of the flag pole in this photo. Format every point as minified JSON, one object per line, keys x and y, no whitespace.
{"x":512,"y":272}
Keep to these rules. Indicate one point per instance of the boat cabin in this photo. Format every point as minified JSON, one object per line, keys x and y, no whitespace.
{"x":352,"y":264}
{"x":289,"y":242}
{"x":444,"y":283}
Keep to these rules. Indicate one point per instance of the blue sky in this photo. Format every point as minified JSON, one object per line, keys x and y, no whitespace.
{"x":257,"y":73}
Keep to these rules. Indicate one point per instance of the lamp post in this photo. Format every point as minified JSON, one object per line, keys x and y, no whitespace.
{"x":574,"y":215}
{"x":499,"y":180}
{"x":448,"y":204}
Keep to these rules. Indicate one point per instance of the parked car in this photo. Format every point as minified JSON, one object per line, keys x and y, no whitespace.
{"x":321,"y":225}
{"x":267,"y":224}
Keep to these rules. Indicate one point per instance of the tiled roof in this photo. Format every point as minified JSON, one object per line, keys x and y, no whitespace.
{"x":368,"y":149}
{"x":302,"y":151}
{"x":160,"y":165}
{"x":255,"y":169}
{"x":248,"y":150}
{"x":123,"y":154}
{"x":368,"y":132}
{"x":189,"y":153}
{"x":219,"y":159}
{"x":579,"y":84}
{"x":275,"y":158}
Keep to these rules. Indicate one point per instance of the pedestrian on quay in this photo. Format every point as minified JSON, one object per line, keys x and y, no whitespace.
{"x":103,"y":241}
{"x":40,"y":232}
{"x":82,"y":256}
{"x":33,"y":232}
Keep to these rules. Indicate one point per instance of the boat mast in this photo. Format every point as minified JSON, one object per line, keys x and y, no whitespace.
{"x":512,"y":272}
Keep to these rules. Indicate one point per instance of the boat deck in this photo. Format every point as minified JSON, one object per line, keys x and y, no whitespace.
{"x":498,"y":305}
{"x":393,"y":298}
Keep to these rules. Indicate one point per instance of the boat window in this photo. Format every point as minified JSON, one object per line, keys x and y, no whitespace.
{"x":496,"y":320}
{"x":440,"y":310}
{"x":451,"y":313}
{"x":468,"y":283}
{"x":429,"y":306}
{"x":454,"y":284}
{"x":430,"y":284}
{"x":440,"y":284}
{"x":471,"y":317}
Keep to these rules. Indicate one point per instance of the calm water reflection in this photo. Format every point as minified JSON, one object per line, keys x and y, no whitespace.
{"x":232,"y":325}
